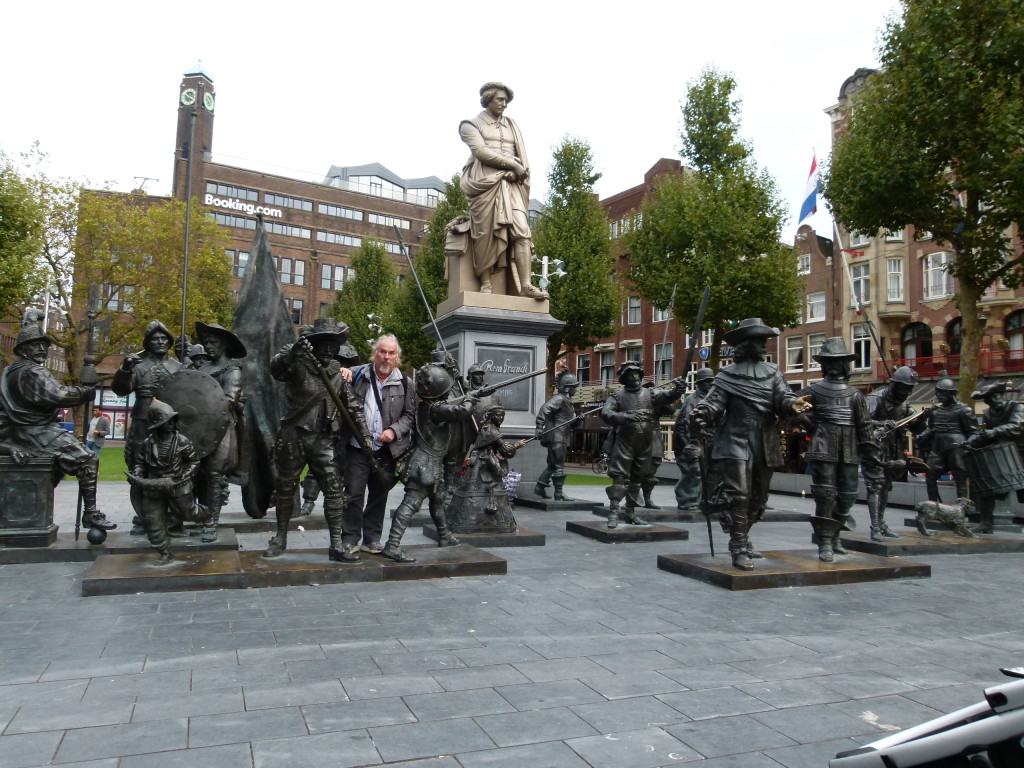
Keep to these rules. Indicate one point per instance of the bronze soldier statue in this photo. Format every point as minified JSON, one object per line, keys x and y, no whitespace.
{"x":223,"y":348}
{"x":746,"y":401}
{"x":30,"y":399}
{"x":554,"y":429}
{"x":310,"y":430}
{"x":422,"y":470}
{"x":632,"y":412}
{"x":949,"y":424}
{"x":691,"y":463}
{"x":144,"y":374}
{"x":838,"y":424}
{"x":162,"y":479}
{"x":885,"y":461}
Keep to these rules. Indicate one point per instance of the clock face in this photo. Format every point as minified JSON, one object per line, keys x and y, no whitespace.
{"x":188,"y":97}
{"x":208,"y":101}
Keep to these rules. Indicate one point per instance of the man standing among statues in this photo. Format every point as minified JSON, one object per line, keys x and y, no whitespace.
{"x":949,"y":424}
{"x":746,"y":401}
{"x":632,"y":413}
{"x":30,"y":400}
{"x":389,"y":409}
{"x":554,"y":428}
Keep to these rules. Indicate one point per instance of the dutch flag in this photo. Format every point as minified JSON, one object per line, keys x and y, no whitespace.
{"x":810,"y":204}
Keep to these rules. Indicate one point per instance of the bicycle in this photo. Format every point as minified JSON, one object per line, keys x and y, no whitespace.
{"x":601,"y":464}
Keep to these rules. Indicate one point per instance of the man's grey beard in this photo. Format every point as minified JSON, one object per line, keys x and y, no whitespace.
{"x":384,"y":369}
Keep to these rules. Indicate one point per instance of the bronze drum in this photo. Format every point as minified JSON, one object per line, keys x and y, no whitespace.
{"x":994,"y":469}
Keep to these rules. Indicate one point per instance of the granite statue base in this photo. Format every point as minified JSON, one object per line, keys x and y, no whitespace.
{"x":66,"y":550}
{"x":911,"y":543}
{"x":599,"y":531}
{"x":791,"y":568}
{"x":191,"y":571}
{"x":522,"y":537}
{"x":663,"y":515}
{"x":532,"y":501}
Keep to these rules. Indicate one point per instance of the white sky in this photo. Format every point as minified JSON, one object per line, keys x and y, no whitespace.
{"x":302,"y":85}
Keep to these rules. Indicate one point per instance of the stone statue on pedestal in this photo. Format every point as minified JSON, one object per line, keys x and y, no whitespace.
{"x":496,"y":180}
{"x":690,"y":450}
{"x":1003,"y":426}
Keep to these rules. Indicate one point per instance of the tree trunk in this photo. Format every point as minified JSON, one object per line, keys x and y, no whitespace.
{"x":970,"y":346}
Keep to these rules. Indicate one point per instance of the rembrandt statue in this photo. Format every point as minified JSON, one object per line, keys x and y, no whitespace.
{"x":496,"y":180}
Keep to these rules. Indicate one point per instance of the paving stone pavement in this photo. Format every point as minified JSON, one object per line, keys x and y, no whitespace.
{"x":584,"y":654}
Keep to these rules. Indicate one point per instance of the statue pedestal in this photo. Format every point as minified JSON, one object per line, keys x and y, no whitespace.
{"x":26,"y":503}
{"x":507,"y":336}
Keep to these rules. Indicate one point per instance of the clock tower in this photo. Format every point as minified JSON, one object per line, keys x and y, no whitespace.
{"x":194,"y":139}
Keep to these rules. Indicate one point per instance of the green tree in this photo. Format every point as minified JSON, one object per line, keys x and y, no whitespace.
{"x":717,"y":224}
{"x":366,"y":301}
{"x":131,"y":246}
{"x":935,"y":142}
{"x":574,"y":228}
{"x":22,"y":223}
{"x":410,"y":314}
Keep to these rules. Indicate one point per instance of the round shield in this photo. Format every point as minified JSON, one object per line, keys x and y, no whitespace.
{"x":204,"y":413}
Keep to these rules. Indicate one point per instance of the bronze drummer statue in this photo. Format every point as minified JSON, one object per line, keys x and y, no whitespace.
{"x":997,"y":470}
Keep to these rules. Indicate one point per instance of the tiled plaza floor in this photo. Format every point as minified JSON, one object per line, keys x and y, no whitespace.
{"x":584,"y":654}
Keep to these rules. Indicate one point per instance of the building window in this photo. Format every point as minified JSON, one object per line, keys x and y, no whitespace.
{"x":803,"y":264}
{"x":230,"y":220}
{"x":861,"y":346}
{"x":288,"y":230}
{"x":634,"y":354}
{"x":608,"y":367}
{"x":324,"y":308}
{"x":113,"y":298}
{"x":288,"y":202}
{"x":860,"y":278}
{"x":394,"y":248}
{"x":859,"y":240}
{"x":815,"y":306}
{"x":285,"y":271}
{"x":338,"y":238}
{"x":814,"y":342}
{"x":228,"y":190}
{"x":659,"y":315}
{"x":894,"y":236}
{"x":295,"y":309}
{"x":794,"y":353}
{"x":895,"y":279}
{"x":916,"y":341}
{"x":706,"y":338}
{"x":340,"y":212}
{"x":389,"y":221}
{"x":633,"y":310}
{"x":1014,"y":330}
{"x":613,"y":230}
{"x":293,"y":271}
{"x":663,"y":361}
{"x":938,"y":281}
{"x":332,"y":277}
{"x":583,"y":368}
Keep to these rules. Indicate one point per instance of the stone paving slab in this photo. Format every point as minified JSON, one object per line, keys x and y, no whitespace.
{"x":576,"y":655}
{"x":625,"y":532}
{"x":942,"y":542}
{"x":791,"y":569}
